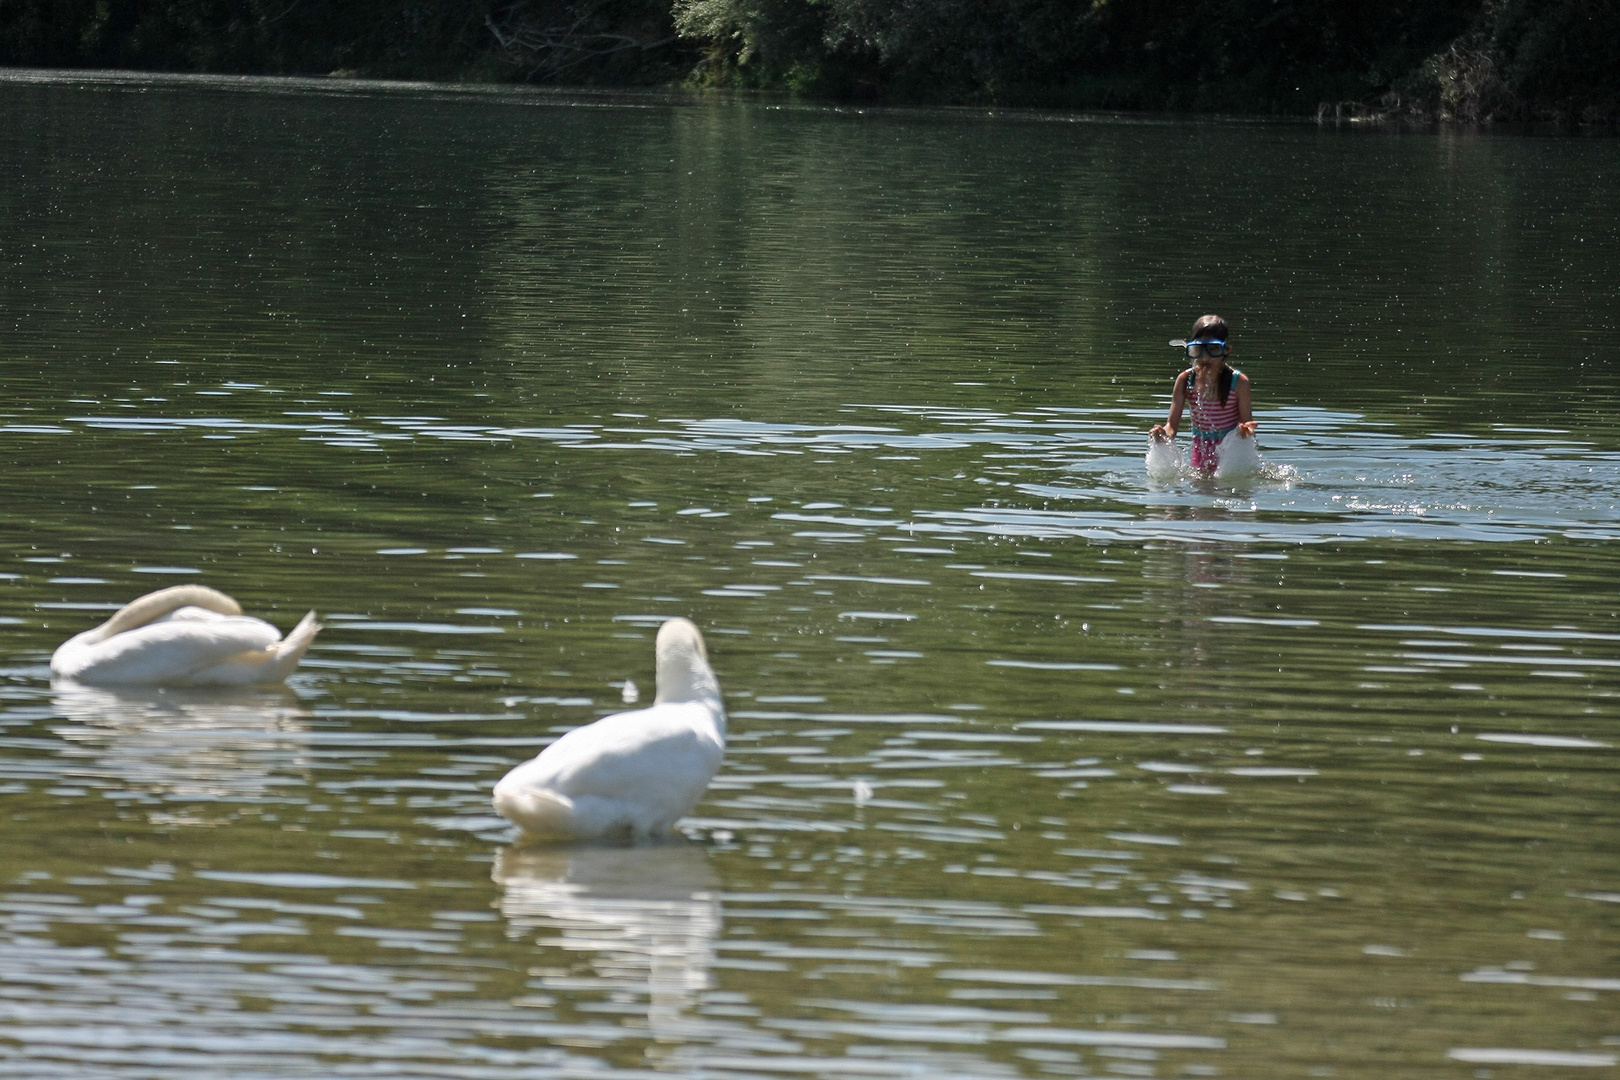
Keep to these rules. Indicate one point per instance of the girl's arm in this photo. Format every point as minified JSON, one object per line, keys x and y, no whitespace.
{"x":1246,"y":423}
{"x":1166,"y":431}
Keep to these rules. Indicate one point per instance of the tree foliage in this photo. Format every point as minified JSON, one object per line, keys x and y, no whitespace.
{"x":1455,"y":59}
{"x":1522,"y":60}
{"x":576,"y":40}
{"x":1267,"y":55}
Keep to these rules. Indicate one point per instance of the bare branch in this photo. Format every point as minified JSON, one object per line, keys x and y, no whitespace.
{"x":561,"y":36}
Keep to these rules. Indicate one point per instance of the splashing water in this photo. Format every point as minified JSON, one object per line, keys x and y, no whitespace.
{"x":1164,"y":460}
{"x":1237,"y":456}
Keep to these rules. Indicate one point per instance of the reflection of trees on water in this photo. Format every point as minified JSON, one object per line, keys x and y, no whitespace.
{"x":645,"y":918}
{"x":230,"y":744}
{"x":770,"y":247}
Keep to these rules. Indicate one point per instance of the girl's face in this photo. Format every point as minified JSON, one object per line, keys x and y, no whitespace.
{"x":1208,"y":359}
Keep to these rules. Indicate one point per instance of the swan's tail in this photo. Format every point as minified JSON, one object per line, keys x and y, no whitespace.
{"x":291,"y":649}
{"x":535,"y":810}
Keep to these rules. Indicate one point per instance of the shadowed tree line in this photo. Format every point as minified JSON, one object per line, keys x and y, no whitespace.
{"x":1468,"y":60}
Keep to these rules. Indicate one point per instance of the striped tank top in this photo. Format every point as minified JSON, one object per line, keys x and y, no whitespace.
{"x":1211,"y":420}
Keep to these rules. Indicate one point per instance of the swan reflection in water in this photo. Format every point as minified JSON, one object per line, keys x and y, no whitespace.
{"x":192,"y":744}
{"x":645,"y":917}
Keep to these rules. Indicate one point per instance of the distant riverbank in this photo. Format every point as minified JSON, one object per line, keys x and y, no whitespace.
{"x":1471,"y":61}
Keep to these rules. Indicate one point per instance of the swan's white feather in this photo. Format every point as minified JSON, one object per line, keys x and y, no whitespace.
{"x":633,"y":772}
{"x":150,"y":643}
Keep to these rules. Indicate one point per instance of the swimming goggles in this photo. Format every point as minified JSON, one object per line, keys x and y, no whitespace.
{"x":1194,"y":348}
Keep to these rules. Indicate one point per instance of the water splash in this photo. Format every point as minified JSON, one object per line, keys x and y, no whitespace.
{"x":1164,"y":461}
{"x":1237,"y":457}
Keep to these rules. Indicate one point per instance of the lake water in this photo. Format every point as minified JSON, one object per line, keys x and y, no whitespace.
{"x":1038,"y":767}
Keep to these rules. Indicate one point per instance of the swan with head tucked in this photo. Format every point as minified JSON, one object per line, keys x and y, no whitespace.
{"x":632,"y":772}
{"x":185,"y":635}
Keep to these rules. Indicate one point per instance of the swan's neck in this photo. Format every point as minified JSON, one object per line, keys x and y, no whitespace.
{"x":684,"y":673}
{"x":155,"y":605}
{"x":687,"y":683}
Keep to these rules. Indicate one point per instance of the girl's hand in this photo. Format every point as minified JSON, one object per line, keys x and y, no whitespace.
{"x":1246,"y":429}
{"x":1156,"y":433}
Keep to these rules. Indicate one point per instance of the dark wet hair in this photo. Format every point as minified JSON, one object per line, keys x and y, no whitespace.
{"x":1211,"y":328}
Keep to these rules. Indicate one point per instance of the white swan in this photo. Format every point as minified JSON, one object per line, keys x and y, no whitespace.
{"x":185,"y":635}
{"x":634,"y":772}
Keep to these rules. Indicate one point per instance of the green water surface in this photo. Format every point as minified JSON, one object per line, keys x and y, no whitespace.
{"x":1037,"y":767}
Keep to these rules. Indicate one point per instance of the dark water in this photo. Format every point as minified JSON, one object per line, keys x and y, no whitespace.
{"x":1038,"y":767}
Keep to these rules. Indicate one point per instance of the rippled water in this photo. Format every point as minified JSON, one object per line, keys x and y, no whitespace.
{"x":1038,"y":766}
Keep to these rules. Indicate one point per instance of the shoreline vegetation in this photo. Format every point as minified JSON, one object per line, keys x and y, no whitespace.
{"x":1356,"y":61}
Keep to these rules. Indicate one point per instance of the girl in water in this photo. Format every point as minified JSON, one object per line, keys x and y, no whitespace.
{"x":1218,"y":392}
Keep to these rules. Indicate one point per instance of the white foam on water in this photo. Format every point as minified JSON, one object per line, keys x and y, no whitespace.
{"x":1164,"y":460}
{"x":1237,"y":456}
{"x":1239,"y":459}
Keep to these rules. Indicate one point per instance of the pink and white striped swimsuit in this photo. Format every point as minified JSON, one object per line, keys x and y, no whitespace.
{"x":1211,"y":421}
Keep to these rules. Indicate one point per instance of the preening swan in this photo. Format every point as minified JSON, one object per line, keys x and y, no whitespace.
{"x":185,"y":635}
{"x":632,"y":772}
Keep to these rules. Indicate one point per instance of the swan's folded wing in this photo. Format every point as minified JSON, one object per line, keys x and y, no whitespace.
{"x":167,"y":653}
{"x":653,"y":750}
{"x":674,"y":768}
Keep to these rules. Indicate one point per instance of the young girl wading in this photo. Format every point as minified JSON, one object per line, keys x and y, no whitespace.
{"x":1218,"y":393}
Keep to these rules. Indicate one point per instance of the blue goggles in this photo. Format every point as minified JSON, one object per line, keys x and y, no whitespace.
{"x":1195,"y":349}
